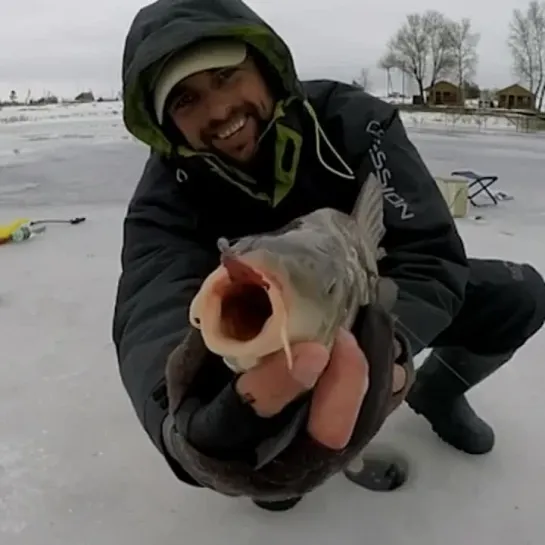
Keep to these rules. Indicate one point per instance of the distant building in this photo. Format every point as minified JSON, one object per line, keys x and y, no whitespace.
{"x":444,"y":93}
{"x":488,"y":99}
{"x":42,"y":101}
{"x":516,"y":97}
{"x":86,"y":96}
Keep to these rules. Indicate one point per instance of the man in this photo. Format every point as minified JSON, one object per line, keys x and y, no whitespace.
{"x":240,"y":145}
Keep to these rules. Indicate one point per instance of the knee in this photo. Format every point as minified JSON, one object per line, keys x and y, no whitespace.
{"x":529,"y":292}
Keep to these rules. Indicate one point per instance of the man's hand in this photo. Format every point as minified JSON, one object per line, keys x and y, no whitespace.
{"x":271,"y":386}
{"x":340,"y":383}
{"x":339,"y":393}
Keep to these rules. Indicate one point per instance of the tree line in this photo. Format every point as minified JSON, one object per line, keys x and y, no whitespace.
{"x":429,"y":47}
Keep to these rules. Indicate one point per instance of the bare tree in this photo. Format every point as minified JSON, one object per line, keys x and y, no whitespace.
{"x":463,"y":49}
{"x":408,"y":49}
{"x":388,"y":63}
{"x":363,"y":80}
{"x":442,"y":59}
{"x":527,"y":44}
{"x":421,"y":48}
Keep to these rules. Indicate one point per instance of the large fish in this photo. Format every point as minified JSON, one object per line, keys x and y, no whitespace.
{"x":301,"y":283}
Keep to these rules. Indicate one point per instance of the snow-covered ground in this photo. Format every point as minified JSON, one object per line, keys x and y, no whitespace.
{"x":27,"y":132}
{"x":75,"y":467}
{"x":94,"y":120}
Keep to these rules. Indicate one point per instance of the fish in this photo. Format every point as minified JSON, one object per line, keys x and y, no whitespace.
{"x":301,"y":282}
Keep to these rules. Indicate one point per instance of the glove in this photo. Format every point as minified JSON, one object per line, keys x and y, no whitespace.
{"x":225,"y":428}
{"x":228,"y":428}
{"x":304,"y":464}
{"x":402,"y":355}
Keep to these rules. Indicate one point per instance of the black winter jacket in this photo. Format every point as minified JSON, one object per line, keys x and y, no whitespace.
{"x":332,"y":135}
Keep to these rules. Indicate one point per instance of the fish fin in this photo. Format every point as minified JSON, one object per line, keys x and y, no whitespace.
{"x":368,"y":211}
{"x":223,"y":245}
{"x":286,"y":345}
{"x":387,"y":292}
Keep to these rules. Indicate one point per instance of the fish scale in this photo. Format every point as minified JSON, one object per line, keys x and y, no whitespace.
{"x":326,"y":264}
{"x":329,"y":260}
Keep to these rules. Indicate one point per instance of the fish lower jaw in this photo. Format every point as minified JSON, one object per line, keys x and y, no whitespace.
{"x":267,"y":342}
{"x":240,"y":366}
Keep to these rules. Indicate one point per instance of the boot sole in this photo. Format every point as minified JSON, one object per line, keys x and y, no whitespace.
{"x":277,"y":506}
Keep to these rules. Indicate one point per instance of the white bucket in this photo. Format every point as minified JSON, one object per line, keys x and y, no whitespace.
{"x":455,"y":193}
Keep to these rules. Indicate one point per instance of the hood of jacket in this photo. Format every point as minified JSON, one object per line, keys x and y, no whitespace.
{"x":166,"y":26}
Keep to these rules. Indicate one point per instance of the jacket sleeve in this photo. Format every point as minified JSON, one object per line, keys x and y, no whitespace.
{"x":163,"y":265}
{"x":426,"y":256}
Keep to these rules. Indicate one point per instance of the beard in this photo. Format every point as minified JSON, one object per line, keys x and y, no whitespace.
{"x":252,"y":111}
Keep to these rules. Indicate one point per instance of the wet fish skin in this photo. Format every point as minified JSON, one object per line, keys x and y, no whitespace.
{"x":327,"y":261}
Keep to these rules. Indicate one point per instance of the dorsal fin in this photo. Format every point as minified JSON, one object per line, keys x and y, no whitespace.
{"x":368,"y":211}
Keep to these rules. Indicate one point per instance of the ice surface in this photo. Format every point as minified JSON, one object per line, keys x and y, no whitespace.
{"x":75,"y":466}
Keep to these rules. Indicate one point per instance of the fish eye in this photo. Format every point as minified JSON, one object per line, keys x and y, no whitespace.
{"x":240,"y":244}
{"x":331,"y":287}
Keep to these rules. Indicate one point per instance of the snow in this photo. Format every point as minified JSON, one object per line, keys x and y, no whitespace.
{"x":75,"y":466}
{"x":28,"y":131}
{"x":61,"y":111}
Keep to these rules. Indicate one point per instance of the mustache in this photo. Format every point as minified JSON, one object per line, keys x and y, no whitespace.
{"x":246,"y":109}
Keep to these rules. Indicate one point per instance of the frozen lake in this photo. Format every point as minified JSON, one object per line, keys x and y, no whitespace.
{"x":75,"y":467}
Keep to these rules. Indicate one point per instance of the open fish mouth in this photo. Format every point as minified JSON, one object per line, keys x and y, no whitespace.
{"x":241,"y":311}
{"x":244,"y":310}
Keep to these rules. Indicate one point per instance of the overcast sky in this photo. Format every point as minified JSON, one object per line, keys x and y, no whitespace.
{"x":67,"y":46}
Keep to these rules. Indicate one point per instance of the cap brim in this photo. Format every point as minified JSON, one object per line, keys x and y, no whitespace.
{"x":206,"y":56}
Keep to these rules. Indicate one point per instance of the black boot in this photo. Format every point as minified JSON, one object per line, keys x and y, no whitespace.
{"x":438,"y":395}
{"x":282,"y":505}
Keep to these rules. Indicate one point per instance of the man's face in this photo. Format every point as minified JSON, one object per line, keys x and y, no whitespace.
{"x":223,"y":110}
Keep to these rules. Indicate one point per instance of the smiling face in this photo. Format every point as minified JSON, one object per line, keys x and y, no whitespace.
{"x":222,"y":110}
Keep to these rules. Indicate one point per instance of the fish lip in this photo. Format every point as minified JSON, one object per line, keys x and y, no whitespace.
{"x":255,"y":263}
{"x":269,"y":338}
{"x":220,"y":344}
{"x":241,"y":272}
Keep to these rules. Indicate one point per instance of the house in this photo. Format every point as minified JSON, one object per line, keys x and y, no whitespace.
{"x":51,"y":99}
{"x":516,"y":96}
{"x":444,"y":93}
{"x":86,"y":96}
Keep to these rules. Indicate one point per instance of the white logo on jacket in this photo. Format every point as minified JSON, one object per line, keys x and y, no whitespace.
{"x":379,"y":160}
{"x":181,"y":175}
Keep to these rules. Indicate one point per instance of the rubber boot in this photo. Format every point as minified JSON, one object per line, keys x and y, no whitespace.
{"x":438,"y":395}
{"x":282,"y":505}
